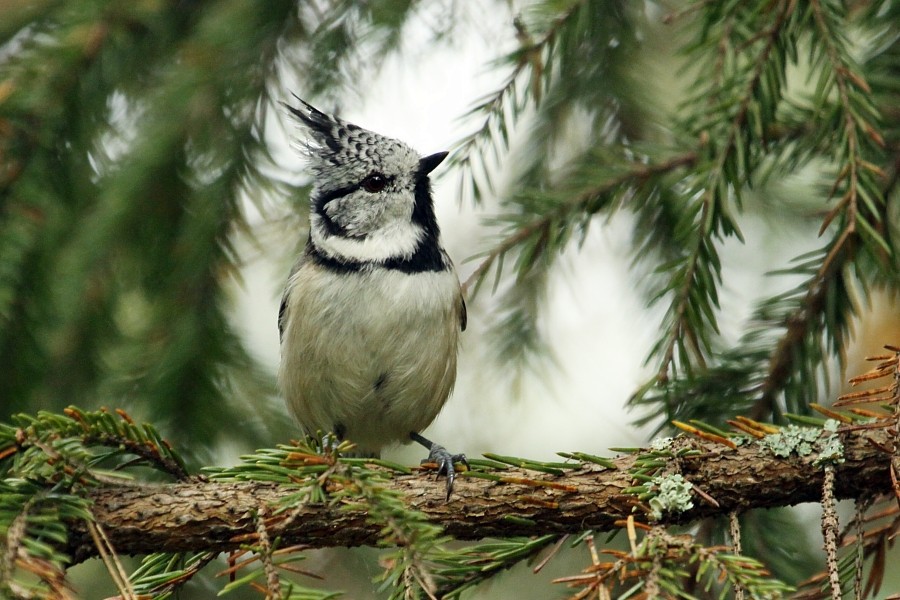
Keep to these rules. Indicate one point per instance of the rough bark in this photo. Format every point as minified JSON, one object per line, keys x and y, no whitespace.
{"x":217,"y":516}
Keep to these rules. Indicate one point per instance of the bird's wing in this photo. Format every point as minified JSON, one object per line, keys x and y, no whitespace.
{"x":282,"y":316}
{"x":463,"y":312}
{"x":283,"y":309}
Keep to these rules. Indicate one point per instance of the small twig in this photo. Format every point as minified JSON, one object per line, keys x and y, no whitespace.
{"x":830,"y":532}
{"x":862,"y":506}
{"x":111,"y":561}
{"x":734,"y":530}
{"x":895,"y":428}
{"x":14,"y":536}
{"x":273,"y":582}
{"x":553,"y":552}
{"x":596,"y":582}
{"x":632,"y":534}
{"x":651,"y":585}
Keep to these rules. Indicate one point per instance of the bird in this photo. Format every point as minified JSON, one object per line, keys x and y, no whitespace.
{"x":372,"y":312}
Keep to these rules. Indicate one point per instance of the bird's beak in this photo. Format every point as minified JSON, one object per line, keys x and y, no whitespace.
{"x":430,"y":162}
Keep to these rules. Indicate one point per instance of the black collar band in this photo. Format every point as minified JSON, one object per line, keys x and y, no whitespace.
{"x":428,"y":257}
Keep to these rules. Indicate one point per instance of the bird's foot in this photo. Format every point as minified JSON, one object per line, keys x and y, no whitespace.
{"x":443,"y":459}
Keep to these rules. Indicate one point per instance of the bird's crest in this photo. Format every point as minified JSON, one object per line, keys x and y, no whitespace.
{"x":335,"y":143}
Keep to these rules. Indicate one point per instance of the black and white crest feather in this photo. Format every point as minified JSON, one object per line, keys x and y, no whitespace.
{"x":336,"y":144}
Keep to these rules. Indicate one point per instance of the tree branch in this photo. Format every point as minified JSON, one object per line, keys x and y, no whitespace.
{"x":219,"y":516}
{"x":637,"y":175}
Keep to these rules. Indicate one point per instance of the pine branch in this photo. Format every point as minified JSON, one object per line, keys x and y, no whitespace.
{"x":218,"y":516}
{"x":801,"y":323}
{"x":502,"y":108}
{"x":690,"y":316}
{"x":861,"y":209}
{"x":637,"y":175}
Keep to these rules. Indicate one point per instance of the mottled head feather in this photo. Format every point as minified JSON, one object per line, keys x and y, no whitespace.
{"x":340,"y":152}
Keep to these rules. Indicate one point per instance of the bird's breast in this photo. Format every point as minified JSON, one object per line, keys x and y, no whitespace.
{"x":372,"y":353}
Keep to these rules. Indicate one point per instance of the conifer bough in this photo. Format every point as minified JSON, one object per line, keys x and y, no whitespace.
{"x":219,"y":515}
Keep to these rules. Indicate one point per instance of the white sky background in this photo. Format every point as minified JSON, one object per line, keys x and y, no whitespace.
{"x":595,"y":318}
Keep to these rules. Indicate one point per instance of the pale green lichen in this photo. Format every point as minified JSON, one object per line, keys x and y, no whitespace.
{"x":831,"y":449}
{"x":661,"y":444}
{"x":791,"y":439}
{"x":673,"y":495}
{"x":804,"y":441}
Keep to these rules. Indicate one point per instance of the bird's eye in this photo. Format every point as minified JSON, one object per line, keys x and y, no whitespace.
{"x":374,"y":183}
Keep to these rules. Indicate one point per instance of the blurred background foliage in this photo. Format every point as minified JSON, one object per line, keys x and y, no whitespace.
{"x":134,"y":153}
{"x":129,"y":137}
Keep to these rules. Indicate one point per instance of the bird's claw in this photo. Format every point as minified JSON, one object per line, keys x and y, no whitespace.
{"x":445,"y":461}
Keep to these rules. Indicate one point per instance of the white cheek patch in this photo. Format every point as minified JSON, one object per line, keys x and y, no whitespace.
{"x":398,"y":239}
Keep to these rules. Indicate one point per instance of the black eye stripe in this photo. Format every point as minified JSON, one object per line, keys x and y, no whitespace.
{"x":327,"y":196}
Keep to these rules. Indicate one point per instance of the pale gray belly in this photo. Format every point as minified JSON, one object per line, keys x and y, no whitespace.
{"x":375,"y":359}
